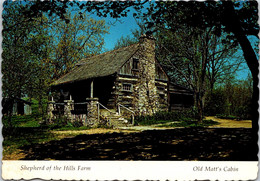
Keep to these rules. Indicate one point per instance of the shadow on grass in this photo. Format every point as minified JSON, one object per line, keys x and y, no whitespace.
{"x":178,"y":144}
{"x":19,"y":136}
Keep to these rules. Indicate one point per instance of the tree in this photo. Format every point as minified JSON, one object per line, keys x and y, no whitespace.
{"x":233,"y":98}
{"x":24,"y":53}
{"x":82,"y":37}
{"x":39,"y":79}
{"x":188,"y":58}
{"x":223,"y":60}
{"x":125,"y":41}
{"x":239,"y":19}
{"x":40,"y":48}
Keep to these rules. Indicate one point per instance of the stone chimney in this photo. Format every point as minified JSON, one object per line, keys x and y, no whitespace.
{"x":147,"y":39}
{"x":147,"y":92}
{"x":147,"y":46}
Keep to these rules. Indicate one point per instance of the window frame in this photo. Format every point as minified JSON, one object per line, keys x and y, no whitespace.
{"x":135,"y":63}
{"x":127,"y":90}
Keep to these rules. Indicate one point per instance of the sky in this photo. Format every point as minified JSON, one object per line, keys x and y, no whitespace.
{"x":119,"y":28}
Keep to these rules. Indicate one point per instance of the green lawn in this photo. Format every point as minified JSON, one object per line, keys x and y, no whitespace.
{"x":26,"y":130}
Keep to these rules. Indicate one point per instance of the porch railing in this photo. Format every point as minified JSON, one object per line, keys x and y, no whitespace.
{"x":111,"y":112}
{"x":99,"y":105}
{"x":129,"y":110}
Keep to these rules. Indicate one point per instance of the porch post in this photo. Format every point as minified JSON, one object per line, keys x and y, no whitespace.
{"x":91,"y":88}
{"x":68,"y":107}
{"x":92,"y":112}
{"x":50,"y":109}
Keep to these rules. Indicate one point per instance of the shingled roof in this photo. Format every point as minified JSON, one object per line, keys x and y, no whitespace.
{"x":101,"y":65}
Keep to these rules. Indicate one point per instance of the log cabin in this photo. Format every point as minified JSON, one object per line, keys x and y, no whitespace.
{"x":130,"y":76}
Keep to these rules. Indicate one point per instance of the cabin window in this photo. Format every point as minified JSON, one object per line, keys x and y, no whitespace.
{"x":135,"y":64}
{"x":127,"y":87}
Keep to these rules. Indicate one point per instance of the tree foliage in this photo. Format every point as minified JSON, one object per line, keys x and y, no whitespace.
{"x":80,"y":38}
{"x":39,"y":49}
{"x":232,"y":98}
{"x":114,"y":9}
{"x":24,"y":47}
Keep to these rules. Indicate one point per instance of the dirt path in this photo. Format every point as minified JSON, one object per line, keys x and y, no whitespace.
{"x":224,"y":123}
{"x":229,"y":123}
{"x":145,"y":128}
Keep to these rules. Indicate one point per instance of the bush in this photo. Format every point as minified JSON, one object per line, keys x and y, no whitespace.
{"x":215,"y":103}
{"x":61,"y":121}
{"x":163,"y":117}
{"x":243,"y":112}
{"x":224,"y":116}
{"x":77,"y":123}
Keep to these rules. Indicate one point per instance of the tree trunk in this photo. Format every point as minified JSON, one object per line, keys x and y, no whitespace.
{"x":233,"y":23}
{"x":10,"y":113}
{"x":199,"y":106}
{"x":253,"y":64}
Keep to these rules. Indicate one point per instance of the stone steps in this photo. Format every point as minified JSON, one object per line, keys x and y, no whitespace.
{"x":115,"y":120}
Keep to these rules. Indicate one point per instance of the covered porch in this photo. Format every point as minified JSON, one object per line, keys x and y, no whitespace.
{"x":79,"y":91}
{"x":88,"y":100}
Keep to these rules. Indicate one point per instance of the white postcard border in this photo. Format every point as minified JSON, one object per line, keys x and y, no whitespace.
{"x":130,"y":170}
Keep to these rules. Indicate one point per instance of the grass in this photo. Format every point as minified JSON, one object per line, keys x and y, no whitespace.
{"x":146,"y":122}
{"x":70,"y":128}
{"x":27,"y":130}
{"x":23,"y":120}
{"x":191,"y":123}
